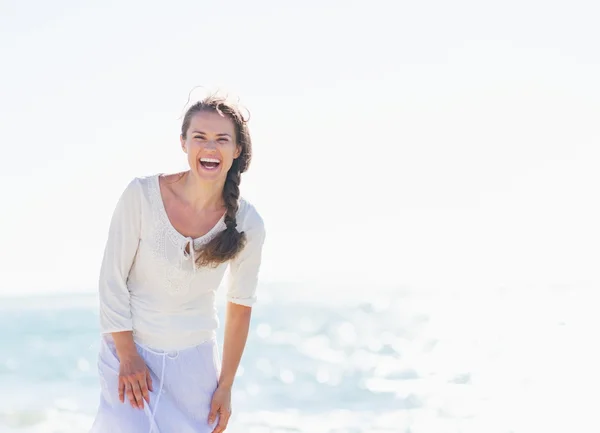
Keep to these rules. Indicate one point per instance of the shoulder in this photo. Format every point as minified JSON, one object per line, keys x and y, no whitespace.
{"x":132,"y":188}
{"x":144,"y":180}
{"x":138,"y":187}
{"x":139,"y":181}
{"x":144,"y":183}
{"x":249,"y":219}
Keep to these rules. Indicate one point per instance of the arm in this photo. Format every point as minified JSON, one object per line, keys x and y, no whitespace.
{"x":237,"y":323}
{"x":119,"y":253}
{"x":115,"y":311}
{"x":241,"y":295}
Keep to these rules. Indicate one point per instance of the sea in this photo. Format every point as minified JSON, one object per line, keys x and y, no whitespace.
{"x":361,"y":359}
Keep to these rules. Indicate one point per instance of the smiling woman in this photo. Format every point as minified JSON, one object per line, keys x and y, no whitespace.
{"x":171,"y":239}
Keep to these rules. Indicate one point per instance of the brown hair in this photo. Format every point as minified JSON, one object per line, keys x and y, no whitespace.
{"x":227,"y":244}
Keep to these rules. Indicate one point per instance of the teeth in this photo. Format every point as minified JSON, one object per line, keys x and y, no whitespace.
{"x":210,"y":160}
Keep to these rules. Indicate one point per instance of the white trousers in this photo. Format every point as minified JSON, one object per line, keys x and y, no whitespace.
{"x":183,"y":382}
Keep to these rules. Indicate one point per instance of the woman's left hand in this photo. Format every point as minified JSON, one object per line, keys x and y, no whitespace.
{"x":221,"y":406}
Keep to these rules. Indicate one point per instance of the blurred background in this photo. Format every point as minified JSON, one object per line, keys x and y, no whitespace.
{"x":427,"y":171}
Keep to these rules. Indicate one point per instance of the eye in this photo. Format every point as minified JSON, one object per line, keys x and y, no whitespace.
{"x":199,"y":137}
{"x":223,"y":140}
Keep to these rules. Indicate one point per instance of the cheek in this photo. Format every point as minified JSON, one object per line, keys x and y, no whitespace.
{"x":191,"y":149}
{"x":229,"y":151}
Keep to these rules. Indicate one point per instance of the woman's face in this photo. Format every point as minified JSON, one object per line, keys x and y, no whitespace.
{"x":210,"y":145}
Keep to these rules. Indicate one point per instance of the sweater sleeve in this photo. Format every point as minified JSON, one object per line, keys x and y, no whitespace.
{"x":243,"y":270}
{"x":119,"y":254}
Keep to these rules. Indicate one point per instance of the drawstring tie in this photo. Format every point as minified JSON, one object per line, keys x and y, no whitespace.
{"x":191,"y":254}
{"x":152,"y":414}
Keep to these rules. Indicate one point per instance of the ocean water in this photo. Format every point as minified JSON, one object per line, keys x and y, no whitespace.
{"x":373,"y":360}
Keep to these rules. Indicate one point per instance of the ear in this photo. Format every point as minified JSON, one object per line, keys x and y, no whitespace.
{"x":238,"y":151}
{"x":183,"y":146}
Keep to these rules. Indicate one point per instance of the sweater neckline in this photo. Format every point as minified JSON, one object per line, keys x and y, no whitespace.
{"x":165,"y":217}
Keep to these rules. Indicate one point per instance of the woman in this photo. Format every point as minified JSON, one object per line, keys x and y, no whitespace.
{"x":170,"y":241}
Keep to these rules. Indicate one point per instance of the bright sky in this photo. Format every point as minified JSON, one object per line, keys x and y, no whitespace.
{"x":427,"y":144}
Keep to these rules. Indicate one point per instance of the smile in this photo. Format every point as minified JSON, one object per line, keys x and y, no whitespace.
{"x":210,"y":163}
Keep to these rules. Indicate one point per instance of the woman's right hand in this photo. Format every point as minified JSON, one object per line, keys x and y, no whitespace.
{"x":134,"y":380}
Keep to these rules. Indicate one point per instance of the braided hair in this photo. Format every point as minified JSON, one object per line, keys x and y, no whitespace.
{"x":227,"y":244}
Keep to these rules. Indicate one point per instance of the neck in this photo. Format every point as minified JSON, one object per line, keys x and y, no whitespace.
{"x":203,"y":195}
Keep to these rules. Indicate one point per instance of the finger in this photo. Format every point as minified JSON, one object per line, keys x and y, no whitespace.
{"x":121,"y":388}
{"x":149,"y":380}
{"x":130,"y":396}
{"x":137,"y":392}
{"x":221,"y":425}
{"x":225,"y":416}
{"x":212,"y":415}
{"x":144,"y":389}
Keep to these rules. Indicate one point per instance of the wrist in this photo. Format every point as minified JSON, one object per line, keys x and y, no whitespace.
{"x":127,"y":354}
{"x":225,"y":382}
{"x":124,"y":345}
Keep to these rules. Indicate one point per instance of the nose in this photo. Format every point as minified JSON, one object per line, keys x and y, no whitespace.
{"x":210,"y":144}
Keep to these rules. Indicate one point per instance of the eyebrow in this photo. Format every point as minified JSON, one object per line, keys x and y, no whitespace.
{"x":218,"y":135}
